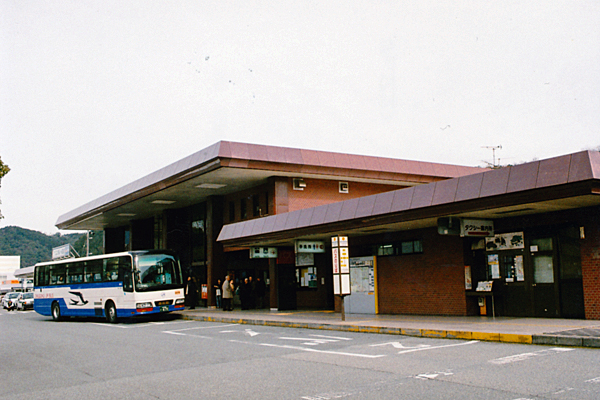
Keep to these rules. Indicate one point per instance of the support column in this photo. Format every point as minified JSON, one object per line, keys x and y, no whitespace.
{"x":215,"y":260}
{"x":281,"y":198}
{"x":273,"y":299}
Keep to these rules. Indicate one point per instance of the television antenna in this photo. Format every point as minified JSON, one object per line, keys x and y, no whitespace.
{"x":494,"y":148}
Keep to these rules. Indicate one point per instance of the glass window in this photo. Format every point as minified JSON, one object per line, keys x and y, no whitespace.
{"x":231,"y":211}
{"x":256,"y":211}
{"x":243,"y":208}
{"x":543,"y":269}
{"x":508,"y":266}
{"x":75,"y":273}
{"x":114,"y":266}
{"x":93,"y":271}
{"x":267,"y":203}
{"x":407,"y":247}
{"x":386,"y":250}
{"x":544,"y":244}
{"x":418,"y":246}
{"x":42,"y":276}
{"x":57,"y":274}
{"x":158,"y":232}
{"x":157,"y":272}
{"x":198,"y":233}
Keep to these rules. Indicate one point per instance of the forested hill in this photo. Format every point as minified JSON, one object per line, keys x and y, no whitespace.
{"x":34,"y":247}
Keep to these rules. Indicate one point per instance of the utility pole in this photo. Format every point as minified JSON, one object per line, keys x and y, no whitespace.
{"x":494,"y":148}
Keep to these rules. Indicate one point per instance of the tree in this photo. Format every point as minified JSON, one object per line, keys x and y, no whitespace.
{"x":3,"y":171}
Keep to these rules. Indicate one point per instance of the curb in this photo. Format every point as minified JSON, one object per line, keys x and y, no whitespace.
{"x":427,"y":333}
{"x":553,"y":340}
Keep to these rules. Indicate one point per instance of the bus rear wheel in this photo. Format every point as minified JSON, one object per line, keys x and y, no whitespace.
{"x":55,"y":311}
{"x":111,"y":312}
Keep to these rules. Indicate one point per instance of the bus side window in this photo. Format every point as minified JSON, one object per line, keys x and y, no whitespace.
{"x":57,"y":274}
{"x":75,"y":272}
{"x":111,"y":270}
{"x":41,"y":276}
{"x":93,"y":271}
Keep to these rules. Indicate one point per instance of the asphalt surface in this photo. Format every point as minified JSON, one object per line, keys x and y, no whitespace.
{"x":549,"y":331}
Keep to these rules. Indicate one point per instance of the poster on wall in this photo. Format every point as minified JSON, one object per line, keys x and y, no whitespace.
{"x":468,"y":279}
{"x":505,"y":241}
{"x":304,"y":259}
{"x":493,"y":266}
{"x":519,"y":268}
{"x":362,"y":274}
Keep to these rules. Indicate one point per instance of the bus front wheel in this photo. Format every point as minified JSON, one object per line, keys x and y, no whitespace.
{"x":55,"y":311}
{"x":111,"y":312}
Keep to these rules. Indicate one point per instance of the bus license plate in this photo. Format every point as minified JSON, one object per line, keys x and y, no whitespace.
{"x":164,"y":308}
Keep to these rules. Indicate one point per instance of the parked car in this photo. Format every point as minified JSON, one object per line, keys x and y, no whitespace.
{"x":8,"y":301}
{"x":25,"y":301}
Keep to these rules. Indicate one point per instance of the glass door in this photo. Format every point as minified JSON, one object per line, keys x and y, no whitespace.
{"x":544,"y":285}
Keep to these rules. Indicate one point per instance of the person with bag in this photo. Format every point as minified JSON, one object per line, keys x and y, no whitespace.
{"x":228,"y":291}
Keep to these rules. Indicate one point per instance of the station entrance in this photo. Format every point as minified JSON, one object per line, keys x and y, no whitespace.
{"x":536,"y":273}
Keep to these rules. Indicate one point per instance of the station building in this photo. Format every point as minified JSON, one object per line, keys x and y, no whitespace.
{"x":423,"y":238}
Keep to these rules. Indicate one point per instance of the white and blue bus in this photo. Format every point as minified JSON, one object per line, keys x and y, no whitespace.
{"x":111,"y":286}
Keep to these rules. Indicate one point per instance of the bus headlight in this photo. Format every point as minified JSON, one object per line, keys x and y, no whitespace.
{"x":143,"y":305}
{"x":180,"y":301}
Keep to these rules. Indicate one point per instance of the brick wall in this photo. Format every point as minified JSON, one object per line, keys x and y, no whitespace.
{"x":275,"y":199}
{"x":431,"y":283}
{"x":590,"y":265}
{"x":320,"y":192}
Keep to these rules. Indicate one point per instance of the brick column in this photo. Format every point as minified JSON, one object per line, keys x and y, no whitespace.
{"x":590,"y":266}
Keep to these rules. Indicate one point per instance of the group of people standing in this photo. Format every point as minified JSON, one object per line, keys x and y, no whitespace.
{"x":251,"y":293}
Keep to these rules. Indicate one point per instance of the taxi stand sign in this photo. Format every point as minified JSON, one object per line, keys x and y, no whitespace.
{"x":341,"y":265}
{"x":476,"y":227}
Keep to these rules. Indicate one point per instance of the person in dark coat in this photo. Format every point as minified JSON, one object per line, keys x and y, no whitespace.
{"x":245,"y":290}
{"x":260,"y":291}
{"x":191,"y":292}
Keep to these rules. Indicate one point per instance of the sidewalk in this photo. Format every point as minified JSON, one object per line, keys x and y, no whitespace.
{"x":561,"y":332}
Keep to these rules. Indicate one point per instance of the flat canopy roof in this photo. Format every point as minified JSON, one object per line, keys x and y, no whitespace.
{"x":229,"y":167}
{"x":560,"y":183}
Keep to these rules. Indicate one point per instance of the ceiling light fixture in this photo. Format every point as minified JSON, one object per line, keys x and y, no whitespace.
{"x":211,"y":185}
{"x":165,"y":202}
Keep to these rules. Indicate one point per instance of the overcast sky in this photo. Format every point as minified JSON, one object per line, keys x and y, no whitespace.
{"x":96,"y":94}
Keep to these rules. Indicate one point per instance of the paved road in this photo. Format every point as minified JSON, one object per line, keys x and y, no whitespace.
{"x":179,"y":359}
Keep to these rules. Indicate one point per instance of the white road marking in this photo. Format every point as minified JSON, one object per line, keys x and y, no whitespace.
{"x":331,"y":337}
{"x":399,"y":345}
{"x":340,"y":353}
{"x":327,"y":396}
{"x":199,"y":327}
{"x":594,"y":380}
{"x":251,"y":333}
{"x":437,"y":347}
{"x":526,"y":356}
{"x":310,"y":341}
{"x":135,"y":326}
{"x":433,"y":376}
{"x":112,"y":325}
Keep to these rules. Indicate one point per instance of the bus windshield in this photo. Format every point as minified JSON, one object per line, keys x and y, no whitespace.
{"x":157,"y":272}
